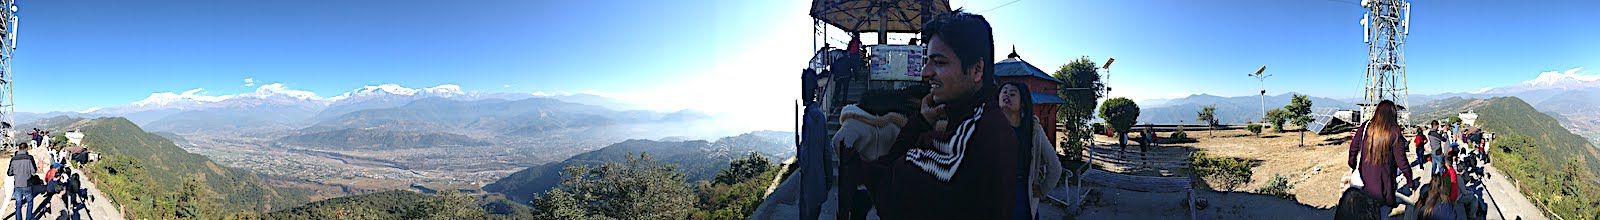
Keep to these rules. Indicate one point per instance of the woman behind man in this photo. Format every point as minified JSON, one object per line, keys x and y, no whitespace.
{"x":1038,"y":168}
{"x":1377,"y":151}
{"x":1437,"y":203}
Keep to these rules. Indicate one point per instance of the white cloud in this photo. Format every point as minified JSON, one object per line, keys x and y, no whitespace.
{"x":248,"y":82}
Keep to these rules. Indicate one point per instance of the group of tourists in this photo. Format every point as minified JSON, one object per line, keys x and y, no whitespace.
{"x":962,"y":147}
{"x":58,"y":179}
{"x":1377,"y":158}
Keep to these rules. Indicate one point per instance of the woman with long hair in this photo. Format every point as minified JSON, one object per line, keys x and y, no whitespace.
{"x":1038,"y":167}
{"x":1377,"y":151}
{"x":1437,"y":203}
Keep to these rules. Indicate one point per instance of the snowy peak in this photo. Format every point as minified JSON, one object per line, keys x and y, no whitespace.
{"x":164,"y":99}
{"x":1571,"y":76}
{"x":1571,"y":79}
{"x":279,"y":90}
{"x":193,"y":99}
{"x":276,"y":94}
{"x":444,"y":90}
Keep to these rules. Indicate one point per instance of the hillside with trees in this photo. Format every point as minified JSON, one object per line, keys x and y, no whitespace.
{"x":401,"y":204}
{"x":151,"y":178}
{"x":697,"y":159}
{"x":637,"y":187}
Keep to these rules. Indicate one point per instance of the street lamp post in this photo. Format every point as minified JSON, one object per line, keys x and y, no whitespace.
{"x":1262,"y":78}
{"x":1107,"y":67}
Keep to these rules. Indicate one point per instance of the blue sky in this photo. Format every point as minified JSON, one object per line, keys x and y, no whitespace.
{"x":739,"y":58}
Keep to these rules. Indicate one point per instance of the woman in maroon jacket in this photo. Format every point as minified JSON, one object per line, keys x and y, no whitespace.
{"x":1378,"y":150}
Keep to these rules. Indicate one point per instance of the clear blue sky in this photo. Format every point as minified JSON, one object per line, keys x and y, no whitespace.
{"x":740,"y":57}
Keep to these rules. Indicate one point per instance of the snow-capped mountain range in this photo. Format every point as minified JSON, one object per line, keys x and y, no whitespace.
{"x":277,"y":105}
{"x":275,"y":94}
{"x":1571,"y":79}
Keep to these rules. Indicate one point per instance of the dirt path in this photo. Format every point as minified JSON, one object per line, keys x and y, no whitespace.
{"x":1315,"y":170}
{"x":1505,"y":200}
{"x":96,"y":206}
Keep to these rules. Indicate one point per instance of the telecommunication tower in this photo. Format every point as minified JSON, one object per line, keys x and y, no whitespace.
{"x":8,"y":47}
{"x":1386,"y":24}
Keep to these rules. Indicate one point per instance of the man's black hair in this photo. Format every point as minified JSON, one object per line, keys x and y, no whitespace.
{"x":969,"y":36}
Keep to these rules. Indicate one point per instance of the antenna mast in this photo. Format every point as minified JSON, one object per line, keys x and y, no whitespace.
{"x":1386,"y":23}
{"x":8,"y":46}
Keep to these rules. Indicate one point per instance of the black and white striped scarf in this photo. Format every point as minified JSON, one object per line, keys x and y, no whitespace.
{"x":945,"y":158}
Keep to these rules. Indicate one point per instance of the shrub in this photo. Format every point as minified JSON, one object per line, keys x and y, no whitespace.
{"x":1277,"y":117}
{"x":1255,"y":129}
{"x":1074,"y":150}
{"x":1179,"y":135}
{"x":1279,"y":186}
{"x":1232,"y":171}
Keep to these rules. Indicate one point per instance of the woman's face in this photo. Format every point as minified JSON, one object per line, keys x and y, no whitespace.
{"x":1010,"y":98}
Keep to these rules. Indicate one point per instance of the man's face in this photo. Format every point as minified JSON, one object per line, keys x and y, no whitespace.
{"x":946,"y":79}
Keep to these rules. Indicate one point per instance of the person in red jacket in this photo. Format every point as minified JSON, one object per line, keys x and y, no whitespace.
{"x":963,"y":171}
{"x":1417,"y":143}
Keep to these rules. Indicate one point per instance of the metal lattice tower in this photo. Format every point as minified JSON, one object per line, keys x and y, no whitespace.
{"x":1386,"y":22}
{"x":8,"y":47}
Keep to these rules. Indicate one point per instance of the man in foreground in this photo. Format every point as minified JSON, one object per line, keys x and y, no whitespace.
{"x":965,"y":170}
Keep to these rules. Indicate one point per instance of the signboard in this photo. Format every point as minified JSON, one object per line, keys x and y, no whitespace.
{"x":895,"y":62}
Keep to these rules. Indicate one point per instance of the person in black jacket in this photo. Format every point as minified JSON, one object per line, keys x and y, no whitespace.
{"x":965,"y":169}
{"x":22,"y":170}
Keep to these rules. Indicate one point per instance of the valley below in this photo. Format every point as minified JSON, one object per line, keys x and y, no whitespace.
{"x":358,"y":170}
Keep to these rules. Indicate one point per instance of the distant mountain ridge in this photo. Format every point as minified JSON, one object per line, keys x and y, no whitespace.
{"x":698,"y":159}
{"x":1571,"y":95}
{"x":275,"y":107}
{"x":1230,"y":110}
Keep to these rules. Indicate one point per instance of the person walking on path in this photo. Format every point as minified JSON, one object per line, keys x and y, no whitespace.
{"x":1377,"y":152}
{"x":21,"y":169}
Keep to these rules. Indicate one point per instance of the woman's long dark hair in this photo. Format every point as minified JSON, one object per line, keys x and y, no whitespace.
{"x":1382,"y":131}
{"x":1438,"y":193}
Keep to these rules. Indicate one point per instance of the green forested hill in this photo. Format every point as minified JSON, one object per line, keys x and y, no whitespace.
{"x":698,"y":159}
{"x":1554,"y":167}
{"x":401,"y":204}
{"x":1512,"y":115}
{"x":155,"y":179}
